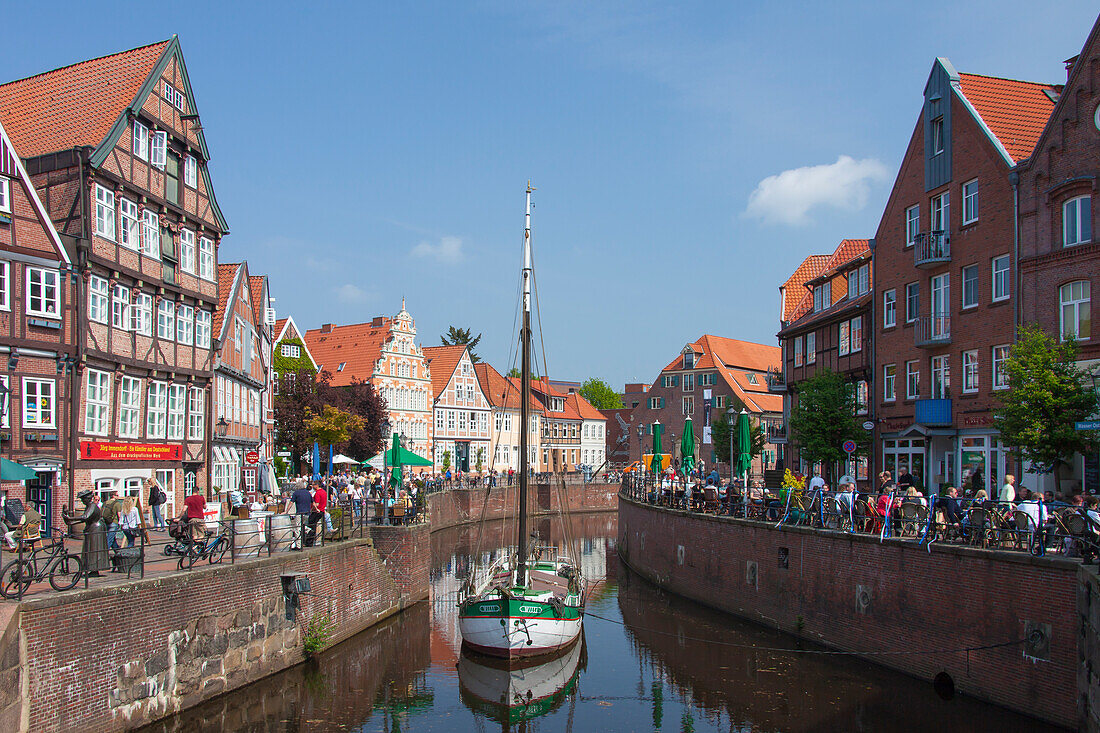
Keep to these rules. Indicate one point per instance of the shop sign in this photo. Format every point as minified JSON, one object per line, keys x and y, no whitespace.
{"x":252,"y":458}
{"x":106,"y":451}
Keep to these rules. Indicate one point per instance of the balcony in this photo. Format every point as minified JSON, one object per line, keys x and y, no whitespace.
{"x":931,"y":249}
{"x":775,"y":433}
{"x":932,"y":331}
{"x":777,"y":381}
{"x":933,"y":412}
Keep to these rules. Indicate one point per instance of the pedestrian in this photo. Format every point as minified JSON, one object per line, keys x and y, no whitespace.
{"x":816,"y":482}
{"x":194,"y":512}
{"x":112,"y":508}
{"x":1008,"y":491}
{"x":157,"y":499}
{"x":130,"y":520}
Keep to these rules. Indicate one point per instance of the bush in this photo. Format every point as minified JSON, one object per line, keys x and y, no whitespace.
{"x":317,"y":633}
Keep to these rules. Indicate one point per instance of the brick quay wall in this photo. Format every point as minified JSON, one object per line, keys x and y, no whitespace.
{"x":853,"y":593}
{"x":118,"y":656}
{"x":461,"y":506}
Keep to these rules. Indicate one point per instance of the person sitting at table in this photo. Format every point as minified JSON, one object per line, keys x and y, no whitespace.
{"x":913,"y":496}
{"x":688,"y":491}
{"x":949,"y":505}
{"x":846,"y":494}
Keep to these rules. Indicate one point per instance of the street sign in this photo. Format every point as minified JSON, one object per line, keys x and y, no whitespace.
{"x":849,"y":447}
{"x":868,"y":424}
{"x":283,"y":454}
{"x":252,"y":458}
{"x":1087,"y":425}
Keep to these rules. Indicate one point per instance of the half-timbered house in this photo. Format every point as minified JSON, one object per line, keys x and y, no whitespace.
{"x":461,"y":409}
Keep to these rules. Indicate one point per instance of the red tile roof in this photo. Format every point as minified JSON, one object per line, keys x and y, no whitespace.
{"x":1016,"y":111}
{"x":801,"y":295}
{"x":500,"y":390}
{"x":794,"y":289}
{"x":442,"y":360}
{"x":259,"y":305}
{"x":74,"y":105}
{"x":358,"y":344}
{"x":544,"y":387}
{"x":734,"y":360}
{"x":280,"y":324}
{"x":583,"y":407}
{"x":227,"y":272}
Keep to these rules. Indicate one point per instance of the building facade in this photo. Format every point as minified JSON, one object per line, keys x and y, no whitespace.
{"x":1059,"y":248}
{"x":115,"y":149}
{"x":462,"y":411}
{"x":37,"y":343}
{"x":830,"y":330}
{"x":944,"y":264}
{"x":383,"y":352}
{"x":504,"y":398}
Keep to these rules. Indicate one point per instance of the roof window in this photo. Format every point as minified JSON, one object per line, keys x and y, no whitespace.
{"x":341,"y":367}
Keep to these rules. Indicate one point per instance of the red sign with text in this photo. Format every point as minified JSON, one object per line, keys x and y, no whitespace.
{"x":103,"y":451}
{"x":252,"y":458}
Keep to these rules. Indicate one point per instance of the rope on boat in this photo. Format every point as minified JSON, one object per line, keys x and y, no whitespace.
{"x":830,"y":652}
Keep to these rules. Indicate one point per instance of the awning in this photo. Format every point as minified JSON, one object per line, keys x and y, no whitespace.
{"x":12,"y":471}
{"x":225,"y":454}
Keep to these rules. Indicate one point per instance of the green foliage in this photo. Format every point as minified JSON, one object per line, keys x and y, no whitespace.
{"x":600,"y":394}
{"x":462,"y":336}
{"x":331,"y":425}
{"x":824,"y":418}
{"x":317,"y":633}
{"x":720,"y":434}
{"x":514,"y":373}
{"x":480,"y":457}
{"x":1047,"y":394}
{"x":446,"y":459}
{"x":283,"y":364}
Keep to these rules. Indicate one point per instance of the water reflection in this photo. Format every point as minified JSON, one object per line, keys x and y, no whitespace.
{"x":658,"y":663}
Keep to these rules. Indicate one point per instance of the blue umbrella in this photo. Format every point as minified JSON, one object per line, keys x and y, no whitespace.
{"x":316,"y":461}
{"x":330,"y":460}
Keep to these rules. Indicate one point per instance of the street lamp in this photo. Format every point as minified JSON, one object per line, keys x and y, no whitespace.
{"x":5,"y":395}
{"x":731,"y":420}
{"x":221,"y":428}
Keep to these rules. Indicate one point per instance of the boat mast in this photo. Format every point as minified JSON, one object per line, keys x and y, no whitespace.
{"x":525,"y":394}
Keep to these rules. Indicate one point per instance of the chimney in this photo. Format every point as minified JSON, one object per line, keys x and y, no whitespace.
{"x":1069,"y":65}
{"x":377,"y":322}
{"x":326,"y":328}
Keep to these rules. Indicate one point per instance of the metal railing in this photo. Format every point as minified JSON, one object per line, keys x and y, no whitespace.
{"x":776,"y":379}
{"x":932,"y":330}
{"x":931,"y":248}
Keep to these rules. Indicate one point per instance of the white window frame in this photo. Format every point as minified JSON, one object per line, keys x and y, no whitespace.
{"x":889,"y":382}
{"x":1082,"y":304}
{"x":150,"y":233}
{"x":937,"y":133}
{"x":129,"y":407}
{"x":941,"y":376}
{"x":187,"y":250}
{"x":166,"y":320}
{"x":158,"y":149}
{"x":196,"y":415}
{"x":5,"y":195}
{"x":203,"y":320}
{"x":99,"y":307}
{"x":5,"y":419}
{"x":105,"y":214}
{"x":185,"y":325}
{"x":856,"y":332}
{"x":44,"y":281}
{"x":5,"y":285}
{"x":941,"y":209}
{"x":1078,"y":221}
{"x":120,"y":307}
{"x":912,"y":224}
{"x":42,"y":412}
{"x":141,"y":314}
{"x":970,"y":371}
{"x":811,"y":352}
{"x":156,"y":410}
{"x":206,"y":258}
{"x":190,"y":171}
{"x":797,"y":346}
{"x":129,"y":234}
{"x":970,"y":201}
{"x":1002,"y":278}
{"x":844,"y":338}
{"x":975,"y":271}
{"x":687,"y":405}
{"x":177,"y":409}
{"x":890,"y":308}
{"x":912,"y":379}
{"x":911,"y":314}
{"x":999,"y":357}
{"x":140,"y":145}
{"x":97,"y":402}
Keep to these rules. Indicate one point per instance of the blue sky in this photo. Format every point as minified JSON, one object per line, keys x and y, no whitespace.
{"x":367,"y":151}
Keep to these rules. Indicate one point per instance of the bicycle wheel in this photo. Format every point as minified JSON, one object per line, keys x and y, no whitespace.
{"x":66,"y":572}
{"x":218,"y":550}
{"x":16,"y":578}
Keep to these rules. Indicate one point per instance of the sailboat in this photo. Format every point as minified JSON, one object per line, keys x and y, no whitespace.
{"x":531,"y":602}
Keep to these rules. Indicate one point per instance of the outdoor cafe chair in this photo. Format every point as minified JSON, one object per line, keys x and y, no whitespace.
{"x":867,"y":517}
{"x":1022,"y":528}
{"x":977,"y":522}
{"x":710,"y":499}
{"x":1079,"y":531}
{"x":833,"y":516}
{"x":911,"y":521}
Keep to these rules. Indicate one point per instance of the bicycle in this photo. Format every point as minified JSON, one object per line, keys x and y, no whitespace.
{"x":212,"y":547}
{"x":63,"y":569}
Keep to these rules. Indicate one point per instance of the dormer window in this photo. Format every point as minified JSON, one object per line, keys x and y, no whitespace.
{"x":822,"y":297}
{"x":859,"y":281}
{"x":341,"y":367}
{"x":689,"y":359}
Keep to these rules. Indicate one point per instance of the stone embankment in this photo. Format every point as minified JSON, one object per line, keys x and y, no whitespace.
{"x":894,"y":603}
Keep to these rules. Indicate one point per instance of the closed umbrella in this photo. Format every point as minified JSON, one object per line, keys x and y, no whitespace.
{"x":687,"y":449}
{"x":743,"y":448}
{"x":330,"y":459}
{"x":395,"y":474}
{"x":655,"y":463}
{"x":316,"y":461}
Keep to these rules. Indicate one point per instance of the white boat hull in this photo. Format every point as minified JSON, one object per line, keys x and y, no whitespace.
{"x":517,"y":636}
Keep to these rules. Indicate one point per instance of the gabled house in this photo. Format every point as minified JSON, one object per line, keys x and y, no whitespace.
{"x":116,"y":150}
{"x":505,"y":400}
{"x":38,"y":343}
{"x":291,"y":354}
{"x":462,"y":410}
{"x":561,"y":427}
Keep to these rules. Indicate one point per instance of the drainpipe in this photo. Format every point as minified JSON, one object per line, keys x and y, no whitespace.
{"x":1014,"y":179}
{"x":82,"y":246}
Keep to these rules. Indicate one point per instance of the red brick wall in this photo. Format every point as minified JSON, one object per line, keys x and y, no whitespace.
{"x":459,"y":506}
{"x":949,"y":598}
{"x":115,"y":657}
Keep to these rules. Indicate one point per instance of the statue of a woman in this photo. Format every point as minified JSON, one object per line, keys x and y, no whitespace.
{"x":94,"y":550}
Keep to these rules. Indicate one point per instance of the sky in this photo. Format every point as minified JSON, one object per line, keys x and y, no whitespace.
{"x":687,"y":156}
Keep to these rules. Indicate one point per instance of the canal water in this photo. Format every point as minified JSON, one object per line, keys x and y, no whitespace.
{"x":649,"y":661}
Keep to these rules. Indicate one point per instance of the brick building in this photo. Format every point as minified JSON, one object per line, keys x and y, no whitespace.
{"x":709,"y":376}
{"x":461,"y":409}
{"x":504,"y":397}
{"x":1059,"y":251}
{"x":38,"y":345}
{"x":943,"y":271}
{"x":383,"y":352}
{"x":827,"y":325}
{"x":116,"y":151}
{"x":241,"y":418}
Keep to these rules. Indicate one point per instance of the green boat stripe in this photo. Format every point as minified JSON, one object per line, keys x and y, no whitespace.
{"x":519,"y":608}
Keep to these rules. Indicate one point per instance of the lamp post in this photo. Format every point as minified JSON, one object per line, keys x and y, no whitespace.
{"x":5,"y":395}
{"x":221,"y":428}
{"x":731,"y":420}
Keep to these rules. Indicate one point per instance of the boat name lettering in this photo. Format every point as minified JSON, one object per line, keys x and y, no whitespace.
{"x":530,"y":609}
{"x":490,"y":608}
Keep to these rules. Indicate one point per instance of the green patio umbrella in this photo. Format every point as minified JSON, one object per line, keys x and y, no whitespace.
{"x":12,"y":471}
{"x":394,"y":454}
{"x":687,"y":449}
{"x":743,"y":444}
{"x":655,"y":462}
{"x":406,"y":457}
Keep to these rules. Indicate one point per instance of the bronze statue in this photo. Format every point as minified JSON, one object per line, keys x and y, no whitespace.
{"x":94,"y":549}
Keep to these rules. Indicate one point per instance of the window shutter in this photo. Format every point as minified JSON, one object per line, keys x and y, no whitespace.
{"x":675,"y":380}
{"x":662,"y":403}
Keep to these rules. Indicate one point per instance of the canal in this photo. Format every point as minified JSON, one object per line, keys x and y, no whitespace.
{"x":649,"y":661}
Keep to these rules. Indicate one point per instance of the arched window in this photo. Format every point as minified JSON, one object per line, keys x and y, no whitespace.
{"x":1076,"y":306}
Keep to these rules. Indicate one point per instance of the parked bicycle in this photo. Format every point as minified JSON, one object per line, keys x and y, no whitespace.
{"x":212,"y":548}
{"x":52,"y":560}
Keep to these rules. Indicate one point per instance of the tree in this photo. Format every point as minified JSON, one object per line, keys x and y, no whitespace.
{"x":600,"y":394}
{"x":480,"y":456}
{"x":446,"y":460}
{"x":331,"y":425}
{"x":360,"y":399}
{"x":465,"y":336}
{"x":514,"y":373}
{"x":720,"y":435}
{"x":1047,"y":394}
{"x":824,"y":418}
{"x":298,"y":394}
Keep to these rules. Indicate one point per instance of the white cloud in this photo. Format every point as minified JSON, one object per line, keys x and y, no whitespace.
{"x":351,"y":294}
{"x":447,"y":249}
{"x":788,"y":197}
